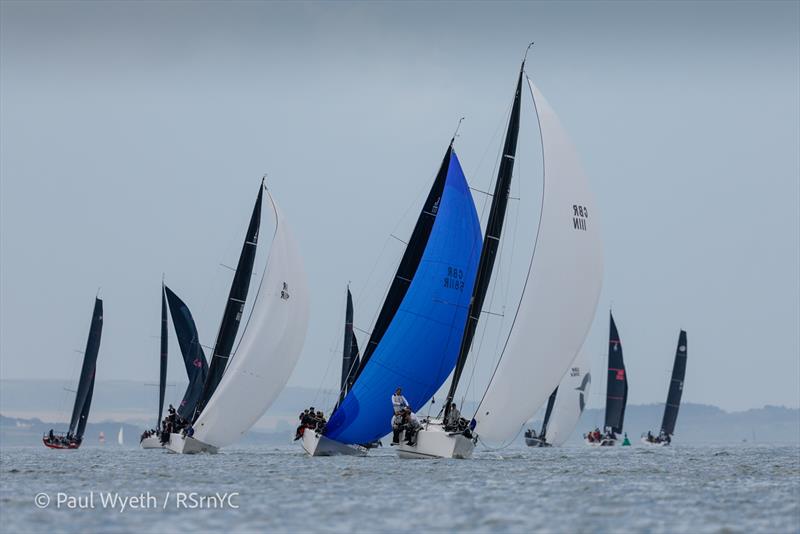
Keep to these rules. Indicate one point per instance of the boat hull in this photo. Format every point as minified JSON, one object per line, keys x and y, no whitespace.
{"x":316,"y":444}
{"x":152,"y":442}
{"x":71,"y":446}
{"x":433,"y":441}
{"x":536,"y":442}
{"x":180,"y":444}
{"x":605,"y":442}
{"x":654,"y":443}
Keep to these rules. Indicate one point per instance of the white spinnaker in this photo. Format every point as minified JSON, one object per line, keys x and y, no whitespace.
{"x":269,"y":348}
{"x":572,"y":396}
{"x":561,"y":291}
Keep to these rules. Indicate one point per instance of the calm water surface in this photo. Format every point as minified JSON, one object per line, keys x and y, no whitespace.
{"x":679,"y":489}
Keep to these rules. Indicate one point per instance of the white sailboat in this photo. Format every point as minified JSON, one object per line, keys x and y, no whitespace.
{"x":266,"y":355}
{"x":120,"y":437}
{"x":569,"y":401}
{"x":558,"y":300}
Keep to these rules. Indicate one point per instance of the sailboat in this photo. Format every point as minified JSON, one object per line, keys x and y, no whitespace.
{"x":565,"y":406}
{"x":557,"y":302}
{"x":313,"y":441}
{"x":240,"y":385}
{"x":83,"y":397}
{"x":120,"y":437}
{"x":616,"y":393}
{"x":414,"y":341}
{"x":194,"y":361}
{"x":673,"y":397}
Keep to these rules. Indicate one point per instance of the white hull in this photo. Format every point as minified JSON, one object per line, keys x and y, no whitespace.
{"x":434,"y":442}
{"x":601,"y":443}
{"x":536,"y":442}
{"x":318,"y":445}
{"x":184,"y":445}
{"x":654,"y":443}
{"x":153,"y":442}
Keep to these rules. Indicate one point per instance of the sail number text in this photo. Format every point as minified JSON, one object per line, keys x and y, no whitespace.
{"x":580,"y":214}
{"x":454,"y":279}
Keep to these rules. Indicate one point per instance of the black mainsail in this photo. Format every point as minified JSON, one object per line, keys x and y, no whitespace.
{"x":193,"y":357}
{"x":83,"y":397}
{"x":617,"y":387}
{"x":162,"y":375}
{"x":350,"y":357}
{"x":491,"y":240}
{"x":548,"y":412}
{"x":234,"y":308}
{"x":675,"y":387}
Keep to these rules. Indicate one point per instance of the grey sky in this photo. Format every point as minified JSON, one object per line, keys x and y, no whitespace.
{"x":133,"y":137}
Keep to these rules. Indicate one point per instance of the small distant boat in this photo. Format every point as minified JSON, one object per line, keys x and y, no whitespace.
{"x":664,"y":437}
{"x":102,"y":438}
{"x":616,"y":393}
{"x":83,"y":397}
{"x":565,"y":406}
{"x":120,"y":437}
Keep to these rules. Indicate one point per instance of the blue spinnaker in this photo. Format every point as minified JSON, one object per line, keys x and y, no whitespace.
{"x":418,"y":349}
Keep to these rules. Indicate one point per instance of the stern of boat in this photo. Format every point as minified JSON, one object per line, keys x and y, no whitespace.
{"x":433,"y":441}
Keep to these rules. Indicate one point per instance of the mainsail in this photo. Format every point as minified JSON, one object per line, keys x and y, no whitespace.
{"x":573,"y":393}
{"x":617,"y":387}
{"x":162,"y":375}
{"x":548,"y":412}
{"x":269,"y":348}
{"x":415,"y":341}
{"x":675,"y":387}
{"x":194,"y":360}
{"x":560,"y":292}
{"x":350,"y":356}
{"x":234,"y":307}
{"x":491,"y":241}
{"x":83,"y":397}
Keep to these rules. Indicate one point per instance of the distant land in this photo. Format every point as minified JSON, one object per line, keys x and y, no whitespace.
{"x":28,"y":408}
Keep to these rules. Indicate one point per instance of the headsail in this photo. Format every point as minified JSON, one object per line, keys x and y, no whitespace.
{"x":573,"y":393}
{"x":162,"y":375}
{"x":350,"y":357}
{"x":83,"y":397}
{"x":194,"y":360}
{"x":675,"y":387}
{"x":234,"y":307}
{"x":269,"y":348}
{"x":617,"y":387}
{"x":560,"y":292}
{"x":414,"y":344}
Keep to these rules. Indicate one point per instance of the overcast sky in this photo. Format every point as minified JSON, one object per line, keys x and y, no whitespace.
{"x":133,"y":137}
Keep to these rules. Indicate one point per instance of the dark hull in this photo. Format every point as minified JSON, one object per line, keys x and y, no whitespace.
{"x":536,"y":442}
{"x":56,"y":445}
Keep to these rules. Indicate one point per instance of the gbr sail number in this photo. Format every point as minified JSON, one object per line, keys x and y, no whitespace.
{"x":580,"y":214}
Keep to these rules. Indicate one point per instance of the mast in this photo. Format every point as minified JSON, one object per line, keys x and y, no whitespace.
{"x":162,"y":377}
{"x":80,"y":411}
{"x":349,"y":350}
{"x":234,"y":307}
{"x":675,"y":387}
{"x":491,"y":240}
{"x":548,"y":412}
{"x":617,"y":386}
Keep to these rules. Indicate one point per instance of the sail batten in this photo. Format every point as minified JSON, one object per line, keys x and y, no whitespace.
{"x":234,"y":307}
{"x":675,"y":387}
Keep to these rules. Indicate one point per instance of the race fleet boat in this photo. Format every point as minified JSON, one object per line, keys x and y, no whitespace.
{"x":73,"y":438}
{"x":664,"y":437}
{"x":557,"y":303}
{"x":616,"y":393}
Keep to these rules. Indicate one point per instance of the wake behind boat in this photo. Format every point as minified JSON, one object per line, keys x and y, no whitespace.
{"x":73,"y":438}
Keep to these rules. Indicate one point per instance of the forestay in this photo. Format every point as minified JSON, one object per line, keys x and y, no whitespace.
{"x":270,"y":345}
{"x":560,"y":294}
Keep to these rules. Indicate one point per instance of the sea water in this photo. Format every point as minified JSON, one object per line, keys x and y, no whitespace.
{"x":256,"y":489}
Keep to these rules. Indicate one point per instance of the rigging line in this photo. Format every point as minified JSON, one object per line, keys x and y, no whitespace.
{"x":332,"y":346}
{"x":533,"y":255}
